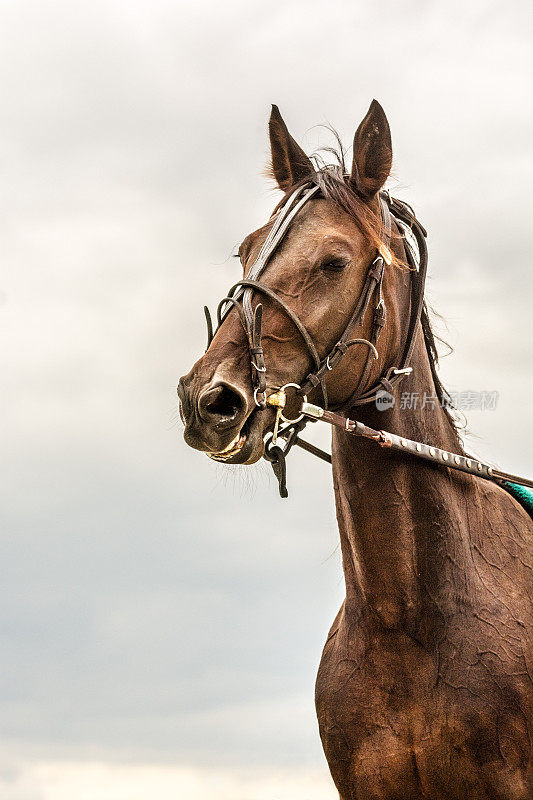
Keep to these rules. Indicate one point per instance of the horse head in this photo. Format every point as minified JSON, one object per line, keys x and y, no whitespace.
{"x":311,"y":282}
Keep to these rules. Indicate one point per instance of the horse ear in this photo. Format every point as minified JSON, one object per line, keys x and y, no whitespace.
{"x":372,"y":152}
{"x":289,"y":162}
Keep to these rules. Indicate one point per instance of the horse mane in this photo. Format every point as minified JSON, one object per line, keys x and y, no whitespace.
{"x":430,"y":340}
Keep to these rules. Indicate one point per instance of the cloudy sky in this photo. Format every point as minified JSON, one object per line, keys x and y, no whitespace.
{"x":155,"y":641}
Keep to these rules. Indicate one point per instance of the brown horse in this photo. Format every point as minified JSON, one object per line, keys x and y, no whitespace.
{"x":425,"y":687}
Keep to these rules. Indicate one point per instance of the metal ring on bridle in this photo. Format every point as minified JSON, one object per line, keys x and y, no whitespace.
{"x":304,"y":400}
{"x":261,"y":404}
{"x":288,"y":440}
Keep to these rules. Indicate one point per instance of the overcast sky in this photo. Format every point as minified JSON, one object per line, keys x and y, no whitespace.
{"x":156,"y":642}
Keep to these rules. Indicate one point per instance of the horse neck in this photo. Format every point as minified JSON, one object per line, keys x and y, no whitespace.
{"x":402,"y":521}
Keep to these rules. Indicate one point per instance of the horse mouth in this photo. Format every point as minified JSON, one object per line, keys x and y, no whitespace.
{"x":234,"y":447}
{"x":246,"y":447}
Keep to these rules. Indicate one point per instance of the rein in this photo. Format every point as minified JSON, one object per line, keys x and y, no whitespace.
{"x":462,"y":463}
{"x":240,"y":296}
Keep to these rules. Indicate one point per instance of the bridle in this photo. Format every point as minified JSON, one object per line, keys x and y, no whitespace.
{"x":240,"y":296}
{"x":251,"y":319}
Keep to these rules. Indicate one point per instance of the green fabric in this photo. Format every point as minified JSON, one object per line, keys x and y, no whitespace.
{"x":522,"y":494}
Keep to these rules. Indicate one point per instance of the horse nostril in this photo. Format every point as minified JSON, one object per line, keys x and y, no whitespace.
{"x":221,"y":403}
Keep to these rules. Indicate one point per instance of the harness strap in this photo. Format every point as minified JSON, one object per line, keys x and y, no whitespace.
{"x":259,"y":287}
{"x":257,"y":355}
{"x":444,"y":458}
{"x":284,"y":218}
{"x":395,"y":374}
{"x":373,"y":279}
{"x":378,"y":320}
{"x":386,"y":217}
{"x":455,"y":461}
{"x":209,"y":323}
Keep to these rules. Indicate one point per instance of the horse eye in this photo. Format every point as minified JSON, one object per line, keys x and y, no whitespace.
{"x":334,"y":264}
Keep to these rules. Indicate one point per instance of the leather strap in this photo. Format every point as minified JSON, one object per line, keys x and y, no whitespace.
{"x":445,"y":458}
{"x":418,"y":278}
{"x":373,"y":279}
{"x":256,"y":352}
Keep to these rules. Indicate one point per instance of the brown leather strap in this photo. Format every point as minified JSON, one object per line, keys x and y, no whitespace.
{"x":418,"y":278}
{"x":444,"y":458}
{"x":209,"y":323}
{"x":373,"y":279}
{"x":256,"y":352}
{"x":259,"y":287}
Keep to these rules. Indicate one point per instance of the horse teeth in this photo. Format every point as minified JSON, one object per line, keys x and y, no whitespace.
{"x":230,"y":446}
{"x":233,"y":447}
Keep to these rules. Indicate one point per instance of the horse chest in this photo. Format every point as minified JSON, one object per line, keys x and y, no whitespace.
{"x":367,"y":701}
{"x":391,"y":729}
